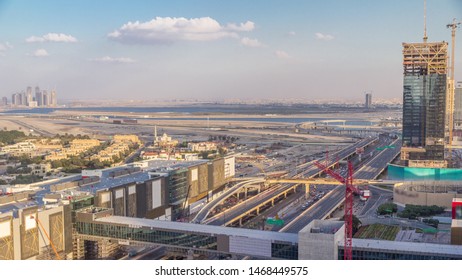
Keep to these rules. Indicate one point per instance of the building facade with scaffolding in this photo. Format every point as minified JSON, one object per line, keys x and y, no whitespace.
{"x":425,"y":68}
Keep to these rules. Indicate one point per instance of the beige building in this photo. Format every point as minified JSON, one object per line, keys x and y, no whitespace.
{"x":21,"y":237}
{"x":40,"y":169}
{"x":126,"y":138}
{"x":164,"y":141}
{"x":118,"y":147}
{"x":19,"y":149}
{"x":202,"y":146}
{"x":77,"y":146}
{"x":439,"y":193}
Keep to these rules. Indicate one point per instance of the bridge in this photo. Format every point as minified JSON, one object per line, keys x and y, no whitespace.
{"x":324,"y":207}
{"x":254,"y":205}
{"x":99,"y":225}
{"x":211,"y":239}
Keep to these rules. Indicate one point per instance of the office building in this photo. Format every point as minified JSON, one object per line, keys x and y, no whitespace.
{"x":458,"y":104}
{"x":53,"y":99}
{"x":29,"y":97}
{"x":41,"y":98}
{"x":424,"y":103}
{"x":38,"y":96}
{"x":45,"y":98}
{"x":368,"y":104}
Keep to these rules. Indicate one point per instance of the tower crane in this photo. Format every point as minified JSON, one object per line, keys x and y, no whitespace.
{"x":453,"y":27}
{"x":349,"y":190}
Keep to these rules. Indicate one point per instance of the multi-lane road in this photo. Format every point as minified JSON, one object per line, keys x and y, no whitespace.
{"x":370,"y":170}
{"x":306,"y":170}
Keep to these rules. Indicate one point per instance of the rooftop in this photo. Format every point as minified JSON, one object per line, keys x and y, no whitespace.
{"x":199,"y":228}
{"x":106,"y":180}
{"x":411,"y":247}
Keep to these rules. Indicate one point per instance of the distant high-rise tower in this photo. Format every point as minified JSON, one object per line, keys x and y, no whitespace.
{"x":368,"y":103}
{"x":458,"y":104}
{"x":53,"y":99}
{"x":424,"y":103}
{"x":29,"y":96}
{"x":46,"y":101}
{"x":38,"y":96}
{"x":14,"y":98}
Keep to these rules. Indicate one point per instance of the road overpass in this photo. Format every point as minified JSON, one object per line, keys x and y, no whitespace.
{"x":254,"y":205}
{"x":99,"y":225}
{"x":324,"y":207}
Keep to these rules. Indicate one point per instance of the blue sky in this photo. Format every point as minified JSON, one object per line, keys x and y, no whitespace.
{"x":215,"y":50}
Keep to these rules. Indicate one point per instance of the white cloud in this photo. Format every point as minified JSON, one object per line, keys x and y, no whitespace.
{"x":4,"y":47}
{"x":247,"y":26}
{"x":167,"y":30}
{"x":108,"y":59}
{"x":325,"y":37}
{"x":254,"y":43}
{"x":291,"y":33}
{"x":282,"y":54}
{"x":39,"y":53}
{"x":52,"y":37}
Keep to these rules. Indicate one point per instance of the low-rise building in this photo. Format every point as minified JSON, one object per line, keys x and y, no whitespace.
{"x":164,"y":141}
{"x":40,"y":169}
{"x":202,"y":146}
{"x":18,"y":149}
{"x":77,"y":147}
{"x":127,"y":138}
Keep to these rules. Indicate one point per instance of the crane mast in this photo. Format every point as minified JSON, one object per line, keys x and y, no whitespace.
{"x":453,"y":27}
{"x":349,"y":190}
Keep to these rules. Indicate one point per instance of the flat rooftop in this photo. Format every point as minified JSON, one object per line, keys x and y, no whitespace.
{"x":199,"y":228}
{"x":410,"y":247}
{"x":106,"y":181}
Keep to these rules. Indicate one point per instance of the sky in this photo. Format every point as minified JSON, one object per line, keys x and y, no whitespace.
{"x":215,"y":50}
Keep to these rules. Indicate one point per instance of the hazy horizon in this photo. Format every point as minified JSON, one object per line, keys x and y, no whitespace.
{"x":211,"y":50}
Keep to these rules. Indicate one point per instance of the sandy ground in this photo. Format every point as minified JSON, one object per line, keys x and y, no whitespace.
{"x":372,"y":116}
{"x":199,"y":130}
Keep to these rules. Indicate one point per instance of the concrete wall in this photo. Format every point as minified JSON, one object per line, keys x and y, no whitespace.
{"x":319,"y":246}
{"x":6,"y":237}
{"x":456,"y":232}
{"x":216,"y":174}
{"x":29,"y":241}
{"x":403,"y":197}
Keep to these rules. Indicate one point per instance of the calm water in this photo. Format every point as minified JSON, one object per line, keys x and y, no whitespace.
{"x":112,"y":113}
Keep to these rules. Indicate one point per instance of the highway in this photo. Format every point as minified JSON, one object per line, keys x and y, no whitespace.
{"x":370,"y":170}
{"x":310,"y":171}
{"x":203,"y":213}
{"x":232,"y":213}
{"x":378,"y":197}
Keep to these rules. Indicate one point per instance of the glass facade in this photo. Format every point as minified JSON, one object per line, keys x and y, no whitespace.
{"x":188,"y":240}
{"x":177,"y":185}
{"x":286,"y":251}
{"x":424,"y":103}
{"x":396,"y":172}
{"x":279,"y":249}
{"x":359,"y":254}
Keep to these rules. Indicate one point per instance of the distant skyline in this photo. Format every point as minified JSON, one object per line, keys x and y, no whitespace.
{"x":216,"y":50}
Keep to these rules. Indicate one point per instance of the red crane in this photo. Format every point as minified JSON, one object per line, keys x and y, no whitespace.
{"x":349,"y":190}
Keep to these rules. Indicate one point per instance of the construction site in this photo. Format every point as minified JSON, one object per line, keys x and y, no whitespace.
{"x":428,"y":102}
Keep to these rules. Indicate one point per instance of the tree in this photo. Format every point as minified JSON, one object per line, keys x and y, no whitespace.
{"x":222,"y":151}
{"x":414,"y":211}
{"x":387,"y":209}
{"x":356,"y":223}
{"x":10,"y":169}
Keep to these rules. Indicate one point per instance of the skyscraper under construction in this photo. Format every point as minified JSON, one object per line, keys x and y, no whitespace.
{"x":424,"y":103}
